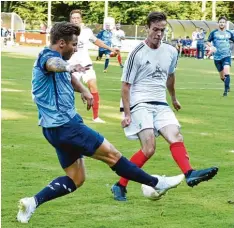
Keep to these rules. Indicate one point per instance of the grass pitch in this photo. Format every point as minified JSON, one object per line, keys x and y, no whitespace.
{"x":29,"y":162}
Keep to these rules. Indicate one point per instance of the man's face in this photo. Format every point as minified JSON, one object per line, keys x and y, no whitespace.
{"x":156,"y":32}
{"x":118,"y":26}
{"x":107,"y":26}
{"x":76,"y":19}
{"x":222,"y":24}
{"x":69,"y":48}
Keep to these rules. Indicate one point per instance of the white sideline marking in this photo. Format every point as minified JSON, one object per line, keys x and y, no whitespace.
{"x":232,"y":151}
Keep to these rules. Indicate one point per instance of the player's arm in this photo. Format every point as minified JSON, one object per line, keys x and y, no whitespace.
{"x":129,"y":73}
{"x":56,"y":64}
{"x":171,"y":90}
{"x":171,"y":81}
{"x":86,"y":96}
{"x":98,"y":42}
{"x":101,"y":44}
{"x":125,"y":94}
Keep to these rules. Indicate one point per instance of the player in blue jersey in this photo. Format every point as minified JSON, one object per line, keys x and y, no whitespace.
{"x":220,"y":39}
{"x":106,"y":36}
{"x":53,"y":88}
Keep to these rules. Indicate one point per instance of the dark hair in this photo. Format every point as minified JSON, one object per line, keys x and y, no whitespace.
{"x":156,"y":16}
{"x":63,"y":30}
{"x":75,"y":11}
{"x":222,"y":17}
{"x":187,"y":36}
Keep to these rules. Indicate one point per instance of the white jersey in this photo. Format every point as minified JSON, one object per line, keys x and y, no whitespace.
{"x":147,"y":70}
{"x":82,"y":55}
{"x":116,"y":37}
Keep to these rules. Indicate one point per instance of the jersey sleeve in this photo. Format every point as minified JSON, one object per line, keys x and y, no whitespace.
{"x":123,"y":34}
{"x":92,"y":38}
{"x":211,"y":37}
{"x":131,"y":67}
{"x":232,"y":36}
{"x":44,"y":56}
{"x":99,"y":35}
{"x":173,"y":62}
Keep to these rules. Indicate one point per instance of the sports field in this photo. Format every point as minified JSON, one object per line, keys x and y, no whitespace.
{"x":29,"y":162}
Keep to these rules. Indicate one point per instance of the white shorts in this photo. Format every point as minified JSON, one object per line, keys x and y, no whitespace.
{"x":115,"y":46}
{"x":88,"y":75}
{"x":145,"y":116}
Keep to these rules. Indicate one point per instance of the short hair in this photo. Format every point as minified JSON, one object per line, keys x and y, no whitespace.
{"x":75,"y":11}
{"x":156,"y":16}
{"x":63,"y":30}
{"x":187,"y":36}
{"x":222,"y":17}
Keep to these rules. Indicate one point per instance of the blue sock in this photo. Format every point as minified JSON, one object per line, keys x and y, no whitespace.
{"x":106,"y":63}
{"x":58,"y":187}
{"x":130,"y":171}
{"x":226,"y":83}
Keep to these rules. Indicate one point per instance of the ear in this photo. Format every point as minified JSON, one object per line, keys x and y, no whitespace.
{"x":62,"y":43}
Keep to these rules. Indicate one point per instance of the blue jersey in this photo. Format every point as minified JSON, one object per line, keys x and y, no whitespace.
{"x":105,"y":36}
{"x":220,"y":40}
{"x":52,"y":92}
{"x":201,"y":38}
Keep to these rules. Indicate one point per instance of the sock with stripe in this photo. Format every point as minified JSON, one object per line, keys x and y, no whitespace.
{"x":60,"y":186}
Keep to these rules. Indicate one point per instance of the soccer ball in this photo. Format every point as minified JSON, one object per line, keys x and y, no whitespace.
{"x":150,"y":192}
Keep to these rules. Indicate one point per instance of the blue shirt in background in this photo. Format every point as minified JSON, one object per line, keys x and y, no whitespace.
{"x":52,"y":92}
{"x":221,"y":40}
{"x":187,"y":42}
{"x":105,"y":36}
{"x":201,"y":38}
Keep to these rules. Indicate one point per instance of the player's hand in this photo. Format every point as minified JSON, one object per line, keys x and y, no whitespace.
{"x":126,"y":121}
{"x":176,"y":104}
{"x":87,"y":97}
{"x":78,"y":68}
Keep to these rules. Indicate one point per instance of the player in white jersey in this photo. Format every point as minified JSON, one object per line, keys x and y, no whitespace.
{"x":117,"y":36}
{"x":148,"y":72}
{"x":82,"y":57}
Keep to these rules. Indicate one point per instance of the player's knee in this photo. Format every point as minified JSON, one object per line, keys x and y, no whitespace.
{"x":78,"y":180}
{"x":114,"y":155}
{"x":178,"y":137}
{"x":148,"y":150}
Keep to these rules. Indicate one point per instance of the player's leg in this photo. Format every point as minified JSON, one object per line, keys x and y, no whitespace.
{"x":226,"y":72}
{"x":147,"y":140}
{"x":107,"y":60}
{"x":100,"y":54}
{"x":219,"y":64}
{"x":124,"y":168}
{"x":168,"y":127}
{"x":90,"y":79}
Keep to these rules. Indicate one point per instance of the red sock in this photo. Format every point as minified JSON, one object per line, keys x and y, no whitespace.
{"x":180,"y":156}
{"x":95,"y":105}
{"x":119,"y":59}
{"x":139,"y":159}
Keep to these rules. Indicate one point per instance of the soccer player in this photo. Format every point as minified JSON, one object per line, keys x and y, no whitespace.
{"x":117,"y":36}
{"x":106,"y":36}
{"x":53,"y":87}
{"x":82,"y":57}
{"x":148,"y":71}
{"x":220,"y":39}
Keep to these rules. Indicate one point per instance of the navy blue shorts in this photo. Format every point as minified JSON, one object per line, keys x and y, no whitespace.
{"x":222,"y":62}
{"x":104,"y":52}
{"x":73,"y":140}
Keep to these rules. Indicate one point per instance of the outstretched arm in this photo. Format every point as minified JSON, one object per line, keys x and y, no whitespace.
{"x":56,"y":64}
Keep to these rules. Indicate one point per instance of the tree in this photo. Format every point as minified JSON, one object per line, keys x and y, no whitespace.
{"x":33,"y":13}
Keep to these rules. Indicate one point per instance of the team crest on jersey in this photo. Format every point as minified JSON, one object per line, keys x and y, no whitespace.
{"x":158,"y":72}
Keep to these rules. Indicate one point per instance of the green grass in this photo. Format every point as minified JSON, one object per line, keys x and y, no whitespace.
{"x":29,"y":162}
